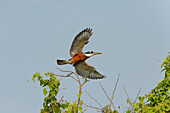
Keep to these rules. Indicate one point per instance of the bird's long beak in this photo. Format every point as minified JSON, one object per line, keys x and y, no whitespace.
{"x":96,"y":53}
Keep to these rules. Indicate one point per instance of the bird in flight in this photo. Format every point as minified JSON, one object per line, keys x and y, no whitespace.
{"x":78,"y":57}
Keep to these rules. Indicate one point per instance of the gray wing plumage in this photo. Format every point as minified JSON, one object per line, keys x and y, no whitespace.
{"x":80,"y":40}
{"x":87,"y":71}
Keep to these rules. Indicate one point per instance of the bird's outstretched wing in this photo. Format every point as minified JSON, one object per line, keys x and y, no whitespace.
{"x":79,"y":41}
{"x":87,"y":71}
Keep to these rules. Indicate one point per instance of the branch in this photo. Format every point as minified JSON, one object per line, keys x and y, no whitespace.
{"x":107,"y":96}
{"x":60,"y":99}
{"x":137,"y":95}
{"x":69,"y":75}
{"x":94,"y":99}
{"x":94,"y":107}
{"x":81,"y":85}
{"x":129,"y":100}
{"x":115,"y":88}
{"x":126,"y":92}
{"x":78,"y":80}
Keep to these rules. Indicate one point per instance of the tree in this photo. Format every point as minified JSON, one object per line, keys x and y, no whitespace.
{"x":157,"y":101}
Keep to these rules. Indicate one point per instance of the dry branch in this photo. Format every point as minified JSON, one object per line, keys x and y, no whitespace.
{"x":78,"y":80}
{"x":107,"y":96}
{"x":94,"y":99}
{"x":94,"y":107}
{"x":115,"y":87}
{"x":129,"y":100}
{"x":137,"y":96}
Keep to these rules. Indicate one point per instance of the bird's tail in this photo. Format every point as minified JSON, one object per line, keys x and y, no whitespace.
{"x":62,"y":62}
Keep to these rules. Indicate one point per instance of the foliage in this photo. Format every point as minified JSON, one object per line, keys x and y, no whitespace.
{"x":50,"y":90}
{"x":50,"y":84}
{"x":157,"y":101}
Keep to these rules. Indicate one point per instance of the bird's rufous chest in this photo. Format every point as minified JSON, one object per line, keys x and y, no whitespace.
{"x":79,"y":57}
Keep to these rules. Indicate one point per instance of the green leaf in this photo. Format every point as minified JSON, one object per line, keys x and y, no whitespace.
{"x":53,"y":93}
{"x":142,"y":103}
{"x":45,"y":92}
{"x":56,"y":83}
{"x":128,"y":111}
{"x":137,"y":104}
{"x":139,"y":97}
{"x":162,"y":65}
{"x":163,"y":70}
{"x":35,"y":75}
{"x":81,"y":102}
{"x":45,"y":99}
{"x":80,"y":109}
{"x":79,"y":95}
{"x":56,"y":109}
{"x":41,"y":82}
{"x":45,"y":82}
{"x":64,"y":105}
{"x":167,"y":73}
{"x":39,"y":78}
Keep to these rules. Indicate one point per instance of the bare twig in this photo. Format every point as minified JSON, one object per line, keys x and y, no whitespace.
{"x":65,"y":101}
{"x":131,"y":106}
{"x":126,"y":92}
{"x":20,"y":88}
{"x":129,"y":100}
{"x":107,"y":96}
{"x":115,"y":88}
{"x":60,"y":99}
{"x":93,"y":107}
{"x":94,"y":99}
{"x":137,"y":96}
{"x":69,"y":75}
{"x":73,"y":73}
{"x":84,"y":82}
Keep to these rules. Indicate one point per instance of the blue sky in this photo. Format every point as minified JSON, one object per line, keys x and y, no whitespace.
{"x":132,"y":35}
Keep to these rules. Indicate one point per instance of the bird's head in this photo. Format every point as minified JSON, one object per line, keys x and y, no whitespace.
{"x":91,"y":53}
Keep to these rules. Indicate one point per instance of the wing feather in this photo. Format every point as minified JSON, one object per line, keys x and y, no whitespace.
{"x":87,"y":71}
{"x":79,"y":41}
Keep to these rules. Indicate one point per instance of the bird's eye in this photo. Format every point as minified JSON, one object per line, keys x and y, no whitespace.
{"x":91,"y":52}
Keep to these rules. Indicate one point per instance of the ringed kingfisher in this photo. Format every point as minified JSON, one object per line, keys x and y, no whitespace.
{"x":78,"y":57}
